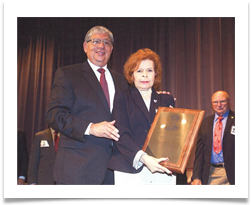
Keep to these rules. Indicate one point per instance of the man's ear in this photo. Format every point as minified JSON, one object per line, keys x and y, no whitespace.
{"x":85,"y":46}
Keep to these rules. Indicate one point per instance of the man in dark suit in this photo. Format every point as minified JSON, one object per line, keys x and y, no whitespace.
{"x":215,"y":159}
{"x":23,"y":158}
{"x":42,"y":157}
{"x":80,"y":111}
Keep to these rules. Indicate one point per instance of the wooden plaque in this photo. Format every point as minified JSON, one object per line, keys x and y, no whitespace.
{"x":173,"y":134}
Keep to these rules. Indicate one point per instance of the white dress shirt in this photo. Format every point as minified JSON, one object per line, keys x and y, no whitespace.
{"x":53,"y":132}
{"x":111,"y":86}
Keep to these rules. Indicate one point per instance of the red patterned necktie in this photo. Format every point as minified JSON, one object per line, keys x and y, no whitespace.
{"x":56,"y":141}
{"x":217,"y":147}
{"x":104,"y":84}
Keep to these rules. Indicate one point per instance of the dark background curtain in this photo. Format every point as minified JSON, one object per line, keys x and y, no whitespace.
{"x":197,"y":55}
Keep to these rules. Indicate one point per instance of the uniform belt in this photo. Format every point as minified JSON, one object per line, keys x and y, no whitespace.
{"x":218,"y":165}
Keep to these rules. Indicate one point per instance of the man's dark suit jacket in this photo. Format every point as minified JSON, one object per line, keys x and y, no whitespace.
{"x":134,"y":121}
{"x":76,"y":100}
{"x":202,"y":162}
{"x":23,"y":158}
{"x":42,"y":159}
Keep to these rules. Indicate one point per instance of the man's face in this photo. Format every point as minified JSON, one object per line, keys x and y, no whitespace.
{"x":98,"y":54}
{"x":220,"y":102}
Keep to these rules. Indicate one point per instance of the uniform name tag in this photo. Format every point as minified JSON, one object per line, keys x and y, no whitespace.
{"x":233,"y":130}
{"x":44,"y":143}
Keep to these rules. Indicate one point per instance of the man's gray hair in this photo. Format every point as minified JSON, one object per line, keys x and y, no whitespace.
{"x":99,"y":30}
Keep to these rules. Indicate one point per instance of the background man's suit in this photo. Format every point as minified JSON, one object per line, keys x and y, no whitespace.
{"x":23,"y":158}
{"x":77,"y":99}
{"x":42,"y":159}
{"x":202,"y":161}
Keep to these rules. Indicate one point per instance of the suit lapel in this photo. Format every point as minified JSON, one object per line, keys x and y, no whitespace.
{"x":140,"y":103}
{"x":137,"y":98}
{"x":155,"y":103}
{"x":230,"y":121}
{"x":48,"y":136}
{"x":115,"y":79}
{"x":90,"y":76}
{"x":210,"y":130}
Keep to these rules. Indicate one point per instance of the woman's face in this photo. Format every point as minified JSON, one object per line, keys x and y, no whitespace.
{"x":144,"y":76}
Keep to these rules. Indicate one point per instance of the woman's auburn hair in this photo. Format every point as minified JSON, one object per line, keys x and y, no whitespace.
{"x":134,"y":61}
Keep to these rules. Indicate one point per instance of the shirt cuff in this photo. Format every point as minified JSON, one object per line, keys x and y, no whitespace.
{"x":88,"y":129}
{"x":136,"y":162}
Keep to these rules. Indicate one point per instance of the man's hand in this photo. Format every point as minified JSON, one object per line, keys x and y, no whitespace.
{"x":105,"y":129}
{"x":196,"y":182}
{"x":165,"y":92}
